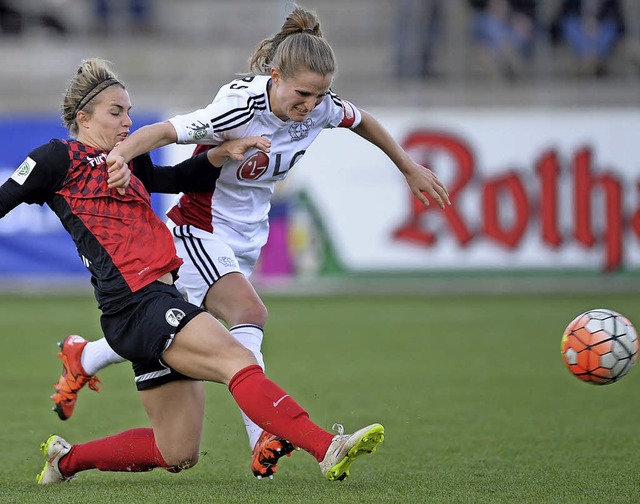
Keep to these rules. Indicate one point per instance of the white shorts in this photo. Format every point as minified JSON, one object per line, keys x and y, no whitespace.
{"x":210,"y":256}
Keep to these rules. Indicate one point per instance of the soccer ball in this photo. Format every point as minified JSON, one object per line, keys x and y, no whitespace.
{"x":600,"y":346}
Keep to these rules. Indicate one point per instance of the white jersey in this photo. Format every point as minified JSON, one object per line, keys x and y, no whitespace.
{"x":243,"y":191}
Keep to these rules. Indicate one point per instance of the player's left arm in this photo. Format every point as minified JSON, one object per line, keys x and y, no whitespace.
{"x":195,"y":174}
{"x":192,"y":174}
{"x":235,"y":149}
{"x":421,"y":180}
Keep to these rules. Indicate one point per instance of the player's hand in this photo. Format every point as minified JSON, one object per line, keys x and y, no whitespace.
{"x":423,"y":181}
{"x":118,"y":174}
{"x":236,"y":149}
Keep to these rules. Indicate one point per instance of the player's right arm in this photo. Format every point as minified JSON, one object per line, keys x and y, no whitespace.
{"x":144,"y":140}
{"x":37,"y":178}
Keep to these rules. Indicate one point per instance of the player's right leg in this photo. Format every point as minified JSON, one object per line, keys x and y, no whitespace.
{"x":204,"y":350}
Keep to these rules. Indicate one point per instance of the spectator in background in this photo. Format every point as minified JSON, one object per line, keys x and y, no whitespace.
{"x":505,"y":30}
{"x":11,"y":19}
{"x":418,"y":31}
{"x":16,"y":17}
{"x":591,"y":29}
{"x":133,"y":16}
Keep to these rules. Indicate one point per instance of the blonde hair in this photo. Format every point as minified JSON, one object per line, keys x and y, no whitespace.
{"x":94,"y":76}
{"x":298,"y":45}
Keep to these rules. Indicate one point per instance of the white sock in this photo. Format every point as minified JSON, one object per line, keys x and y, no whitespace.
{"x":97,"y":355}
{"x":251,"y":337}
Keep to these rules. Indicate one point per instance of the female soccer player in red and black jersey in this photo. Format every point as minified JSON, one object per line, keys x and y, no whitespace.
{"x":173,"y":345}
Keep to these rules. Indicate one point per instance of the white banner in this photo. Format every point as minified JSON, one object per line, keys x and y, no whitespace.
{"x":539,"y":189}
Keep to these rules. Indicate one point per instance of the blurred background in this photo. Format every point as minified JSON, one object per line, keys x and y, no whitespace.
{"x":528,"y":110}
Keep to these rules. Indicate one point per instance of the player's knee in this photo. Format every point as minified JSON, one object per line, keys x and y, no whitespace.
{"x":181,"y":461}
{"x":244,"y":310}
{"x":243,"y":356}
{"x":254,"y":313}
{"x":235,"y":360}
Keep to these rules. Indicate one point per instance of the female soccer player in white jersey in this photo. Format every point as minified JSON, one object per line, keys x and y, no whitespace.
{"x":219,"y":234}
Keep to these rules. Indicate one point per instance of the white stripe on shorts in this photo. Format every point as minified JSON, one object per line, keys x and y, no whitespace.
{"x":198,"y":254}
{"x":152,"y":375}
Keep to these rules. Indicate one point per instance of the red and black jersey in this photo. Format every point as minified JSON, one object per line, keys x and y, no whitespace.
{"x":123,"y":243}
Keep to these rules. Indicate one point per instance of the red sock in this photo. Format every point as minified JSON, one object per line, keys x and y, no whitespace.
{"x":275,"y":411}
{"x":133,"y":450}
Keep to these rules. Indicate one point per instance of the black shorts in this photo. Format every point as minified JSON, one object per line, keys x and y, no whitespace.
{"x":142,"y":328}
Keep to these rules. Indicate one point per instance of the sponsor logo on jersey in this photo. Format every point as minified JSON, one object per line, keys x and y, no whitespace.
{"x":174,"y":316}
{"x":198,"y":130}
{"x":300,"y":130}
{"x":253,"y":167}
{"x":23,"y":171}
{"x":96,"y":160}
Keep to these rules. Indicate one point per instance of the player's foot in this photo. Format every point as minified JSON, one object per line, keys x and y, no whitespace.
{"x":345,"y":448}
{"x":73,"y":377}
{"x":266,"y":453}
{"x":53,"y":450}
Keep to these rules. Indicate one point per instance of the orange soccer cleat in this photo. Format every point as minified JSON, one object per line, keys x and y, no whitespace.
{"x":73,"y":376}
{"x":266,"y":453}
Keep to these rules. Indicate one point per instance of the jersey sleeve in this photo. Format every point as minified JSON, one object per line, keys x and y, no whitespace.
{"x":37,"y":178}
{"x":225,"y":118}
{"x":343,"y":114}
{"x":191,"y":175}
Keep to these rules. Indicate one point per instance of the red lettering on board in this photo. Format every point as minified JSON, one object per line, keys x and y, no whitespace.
{"x":413,"y":230}
{"x":508,"y":209}
{"x":512,"y":188}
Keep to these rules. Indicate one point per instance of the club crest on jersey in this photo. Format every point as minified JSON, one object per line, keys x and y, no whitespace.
{"x":174,"y":316}
{"x":300,"y":130}
{"x":229,"y":262}
{"x":253,"y":167}
{"x":198,"y":130}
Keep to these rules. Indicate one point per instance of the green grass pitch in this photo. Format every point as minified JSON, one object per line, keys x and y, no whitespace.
{"x":477,"y":405}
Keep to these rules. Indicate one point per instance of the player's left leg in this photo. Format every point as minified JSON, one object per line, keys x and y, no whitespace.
{"x":173,"y":443}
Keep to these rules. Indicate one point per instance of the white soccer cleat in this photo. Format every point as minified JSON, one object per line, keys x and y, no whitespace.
{"x":53,"y":450}
{"x":345,"y":448}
